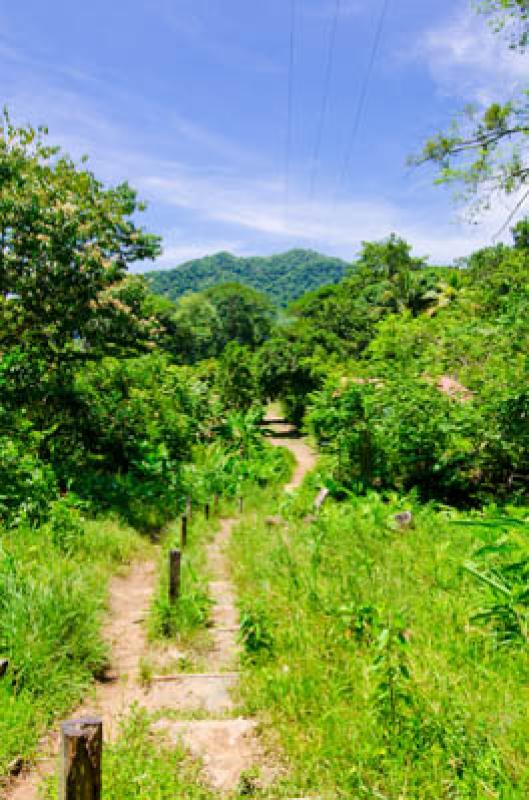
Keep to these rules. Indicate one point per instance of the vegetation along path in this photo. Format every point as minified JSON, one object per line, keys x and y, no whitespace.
{"x":194,"y":708}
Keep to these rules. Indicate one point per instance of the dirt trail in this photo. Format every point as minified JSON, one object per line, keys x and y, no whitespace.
{"x":129,"y":598}
{"x":227,"y":745}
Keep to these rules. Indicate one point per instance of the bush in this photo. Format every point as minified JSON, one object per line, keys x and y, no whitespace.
{"x":27,"y":484}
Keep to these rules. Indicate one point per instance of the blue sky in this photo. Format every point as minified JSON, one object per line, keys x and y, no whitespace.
{"x":187,"y":99}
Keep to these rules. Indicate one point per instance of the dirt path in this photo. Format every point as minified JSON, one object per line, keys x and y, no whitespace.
{"x":227,"y":744}
{"x":304,"y":455}
{"x":129,"y":599}
{"x":229,"y":747}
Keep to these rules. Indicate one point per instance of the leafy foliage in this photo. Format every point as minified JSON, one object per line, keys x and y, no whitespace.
{"x":282,"y":278}
{"x":484,"y":149}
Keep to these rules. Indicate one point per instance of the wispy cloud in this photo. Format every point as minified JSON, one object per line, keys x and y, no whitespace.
{"x":255,"y":210}
{"x":468,"y":60}
{"x":224,"y":197}
{"x":178,"y":249}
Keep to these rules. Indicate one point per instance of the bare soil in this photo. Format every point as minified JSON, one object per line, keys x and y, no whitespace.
{"x":227,"y":747}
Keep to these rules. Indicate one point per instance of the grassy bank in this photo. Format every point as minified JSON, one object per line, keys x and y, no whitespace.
{"x":364,"y":657}
{"x":185,"y":620}
{"x":141,"y":766}
{"x":53,"y":589}
{"x":257,"y":479}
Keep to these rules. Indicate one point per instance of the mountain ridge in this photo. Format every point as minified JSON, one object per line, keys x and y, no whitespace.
{"x":283,"y":277}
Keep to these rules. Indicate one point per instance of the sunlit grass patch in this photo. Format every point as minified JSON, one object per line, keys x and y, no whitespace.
{"x":363,"y":659}
{"x":53,"y":589}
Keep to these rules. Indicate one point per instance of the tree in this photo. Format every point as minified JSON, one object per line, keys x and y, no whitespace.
{"x":484,"y":150}
{"x":66,"y":243}
{"x":520,"y":234}
{"x":245,"y":315}
{"x":236,"y":382}
{"x":196,"y":329}
{"x":387,"y":258}
{"x":510,"y":16}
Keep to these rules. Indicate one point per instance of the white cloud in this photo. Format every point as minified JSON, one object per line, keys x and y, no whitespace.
{"x":226,"y":198}
{"x":468,"y":60}
{"x":181,"y":250}
{"x":255,"y":210}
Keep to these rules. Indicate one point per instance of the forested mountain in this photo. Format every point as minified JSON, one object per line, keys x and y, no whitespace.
{"x":283,"y":277}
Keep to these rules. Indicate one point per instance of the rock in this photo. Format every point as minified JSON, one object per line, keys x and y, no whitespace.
{"x":275,"y":520}
{"x":404,"y":519}
{"x":321,"y":498}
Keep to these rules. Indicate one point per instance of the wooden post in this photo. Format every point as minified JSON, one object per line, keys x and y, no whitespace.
{"x":184,"y":530}
{"x":81,"y":751}
{"x":175,"y":561}
{"x":206,"y":511}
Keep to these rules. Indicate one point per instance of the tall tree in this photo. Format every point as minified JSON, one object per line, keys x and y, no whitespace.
{"x":65,"y":244}
{"x":484,"y":149}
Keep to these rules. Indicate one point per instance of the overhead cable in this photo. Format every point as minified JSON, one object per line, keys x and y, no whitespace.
{"x":290,"y":105}
{"x":362,"y":98}
{"x":325,"y":99}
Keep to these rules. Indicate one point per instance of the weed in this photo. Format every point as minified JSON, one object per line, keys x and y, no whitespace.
{"x":378,"y":687}
{"x":140,"y":765}
{"x":255,"y":631}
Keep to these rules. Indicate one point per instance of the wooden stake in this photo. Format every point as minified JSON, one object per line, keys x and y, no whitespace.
{"x":81,"y":752}
{"x":175,"y":562}
{"x":184,"y":530}
{"x":206,"y":511}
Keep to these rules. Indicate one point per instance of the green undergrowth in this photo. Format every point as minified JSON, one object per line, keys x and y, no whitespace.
{"x":53,"y":590}
{"x":187,"y":617}
{"x":142,"y":766}
{"x":369,"y":659}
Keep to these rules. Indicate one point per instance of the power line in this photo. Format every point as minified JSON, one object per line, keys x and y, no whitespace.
{"x":363,"y":95}
{"x":325,"y":98}
{"x":290,"y":104}
{"x":511,"y":216}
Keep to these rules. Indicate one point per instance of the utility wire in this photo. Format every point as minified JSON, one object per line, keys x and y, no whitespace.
{"x":363,"y":96}
{"x":511,"y":216}
{"x":290,"y":105}
{"x":325,"y":99}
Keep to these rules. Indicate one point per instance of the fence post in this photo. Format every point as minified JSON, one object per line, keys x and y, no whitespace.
{"x":184,"y":530}
{"x":81,"y":751}
{"x":175,"y":562}
{"x":206,"y":511}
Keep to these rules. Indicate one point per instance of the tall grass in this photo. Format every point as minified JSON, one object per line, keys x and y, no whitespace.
{"x":53,"y":586}
{"x":252,"y":477}
{"x":372,"y":674}
{"x":190,"y":613}
{"x":140,"y":765}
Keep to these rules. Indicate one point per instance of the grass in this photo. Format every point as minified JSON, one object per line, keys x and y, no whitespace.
{"x":53,"y":589}
{"x":185,"y":619}
{"x":363,"y":661}
{"x":142,"y":766}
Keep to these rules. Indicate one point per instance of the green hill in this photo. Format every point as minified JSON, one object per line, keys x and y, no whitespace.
{"x":283,"y":277}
